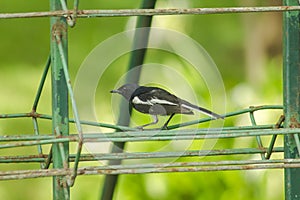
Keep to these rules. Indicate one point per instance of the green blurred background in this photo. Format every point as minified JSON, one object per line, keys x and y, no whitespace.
{"x":247,"y":48}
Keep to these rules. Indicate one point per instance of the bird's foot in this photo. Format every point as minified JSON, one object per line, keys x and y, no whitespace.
{"x":141,"y":128}
{"x":164,"y":127}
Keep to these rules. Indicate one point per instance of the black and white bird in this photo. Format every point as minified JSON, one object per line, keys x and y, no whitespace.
{"x":156,"y":101}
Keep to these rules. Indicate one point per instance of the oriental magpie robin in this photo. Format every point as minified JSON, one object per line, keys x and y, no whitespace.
{"x":156,"y":101}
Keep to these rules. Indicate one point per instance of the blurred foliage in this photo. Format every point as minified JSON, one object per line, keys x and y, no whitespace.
{"x":24,"y":51}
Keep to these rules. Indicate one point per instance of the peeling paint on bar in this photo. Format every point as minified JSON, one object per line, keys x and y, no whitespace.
{"x":148,"y":12}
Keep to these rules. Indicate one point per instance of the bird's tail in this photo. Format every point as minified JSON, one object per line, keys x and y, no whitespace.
{"x":200,"y":109}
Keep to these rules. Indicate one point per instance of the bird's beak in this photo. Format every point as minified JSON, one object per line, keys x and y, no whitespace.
{"x":114,"y":91}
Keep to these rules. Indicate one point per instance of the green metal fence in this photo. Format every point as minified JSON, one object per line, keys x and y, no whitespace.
{"x":64,"y":175}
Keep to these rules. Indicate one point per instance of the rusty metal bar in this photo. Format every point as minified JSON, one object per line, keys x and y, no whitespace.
{"x":238,"y":129}
{"x":69,"y":18}
{"x":35,"y":142}
{"x":49,"y":117}
{"x":74,"y":108}
{"x":75,"y":12}
{"x":189,"y":134}
{"x":291,"y":94}
{"x":157,"y":168}
{"x":149,"y":12}
{"x":140,"y":155}
{"x":60,"y":111}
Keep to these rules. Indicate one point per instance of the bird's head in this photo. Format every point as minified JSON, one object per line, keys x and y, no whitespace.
{"x":126,"y":90}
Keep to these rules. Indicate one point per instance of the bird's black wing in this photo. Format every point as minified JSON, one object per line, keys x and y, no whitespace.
{"x":153,"y":96}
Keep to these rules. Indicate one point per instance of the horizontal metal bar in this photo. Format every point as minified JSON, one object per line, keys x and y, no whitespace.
{"x":49,"y":117}
{"x":194,"y":164}
{"x":156,"y":168}
{"x":141,"y":155}
{"x":149,"y":12}
{"x":187,"y":169}
{"x":38,"y":142}
{"x":189,"y":134}
{"x":177,"y":164}
{"x":162,"y":135}
{"x":26,"y":137}
{"x":192,"y":153}
{"x":15,"y":115}
{"x":145,"y":135}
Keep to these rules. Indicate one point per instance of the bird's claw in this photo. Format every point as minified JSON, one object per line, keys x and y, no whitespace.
{"x":164,"y":127}
{"x":141,"y":128}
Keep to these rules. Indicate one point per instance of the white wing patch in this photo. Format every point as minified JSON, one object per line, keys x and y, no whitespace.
{"x":137,"y":100}
{"x":188,"y":107}
{"x":161,"y":101}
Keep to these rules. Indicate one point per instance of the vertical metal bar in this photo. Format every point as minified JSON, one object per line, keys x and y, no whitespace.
{"x":75,"y":10}
{"x":74,"y":108}
{"x":291,"y":99}
{"x":60,"y":121}
{"x":136,"y":59}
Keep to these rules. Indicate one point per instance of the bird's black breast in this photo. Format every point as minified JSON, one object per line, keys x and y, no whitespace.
{"x":156,"y":101}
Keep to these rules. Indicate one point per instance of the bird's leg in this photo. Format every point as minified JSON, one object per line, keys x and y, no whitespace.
{"x":165,"y":126}
{"x":155,"y":120}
